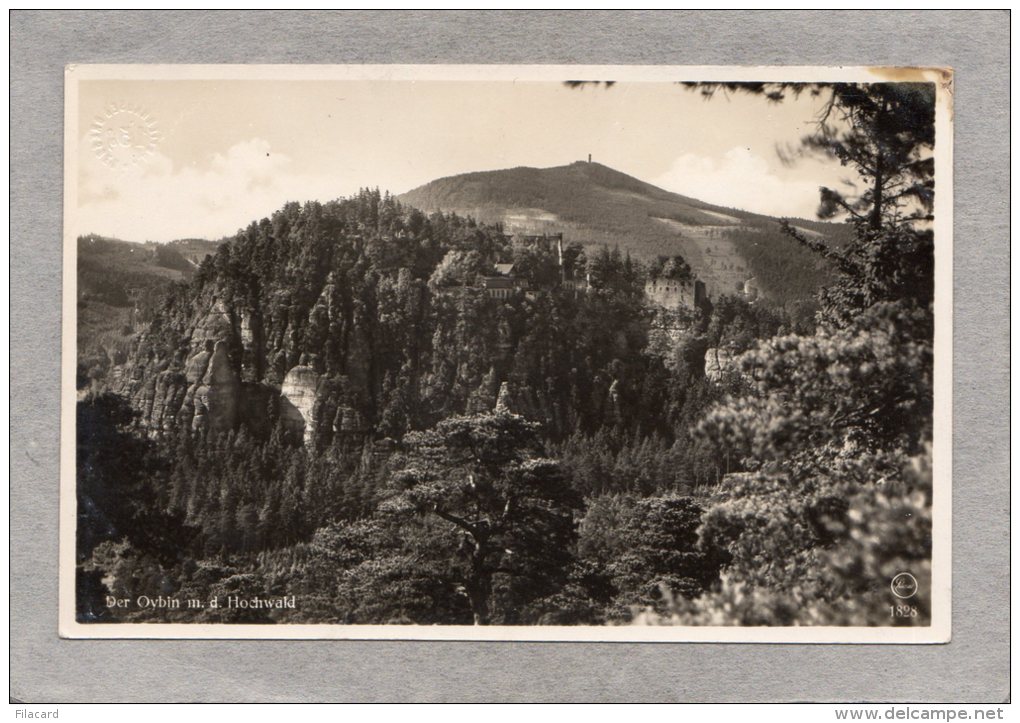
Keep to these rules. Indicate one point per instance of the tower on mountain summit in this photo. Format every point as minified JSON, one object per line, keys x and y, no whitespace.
{"x":589,"y":158}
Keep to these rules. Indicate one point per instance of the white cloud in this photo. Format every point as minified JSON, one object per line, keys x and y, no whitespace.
{"x":154,"y":201}
{"x":740,"y":179}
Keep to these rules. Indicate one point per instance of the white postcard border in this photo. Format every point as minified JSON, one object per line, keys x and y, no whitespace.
{"x":941,"y":584}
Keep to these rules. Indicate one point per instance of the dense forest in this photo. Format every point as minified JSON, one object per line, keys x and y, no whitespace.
{"x":333,"y":413}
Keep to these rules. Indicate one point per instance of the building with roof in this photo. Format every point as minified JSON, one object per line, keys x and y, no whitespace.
{"x":503,"y":284}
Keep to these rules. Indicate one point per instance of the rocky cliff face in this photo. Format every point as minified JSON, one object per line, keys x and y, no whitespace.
{"x":319,"y":409}
{"x":721,"y":362}
{"x":214,"y":326}
{"x":232,"y":364}
{"x":718,"y":362}
{"x":204,"y":385}
{"x":297,"y":402}
{"x":216,"y":397}
{"x":159,"y":397}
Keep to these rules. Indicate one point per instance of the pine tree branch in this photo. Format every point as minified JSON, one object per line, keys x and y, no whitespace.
{"x":462,"y":523}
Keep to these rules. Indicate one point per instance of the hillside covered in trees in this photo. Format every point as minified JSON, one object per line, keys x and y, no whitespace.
{"x":119,"y":282}
{"x":283,"y":389}
{"x":597,"y":205}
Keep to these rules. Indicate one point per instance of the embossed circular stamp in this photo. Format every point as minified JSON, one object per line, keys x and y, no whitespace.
{"x":904,"y":586}
{"x":124,"y":135}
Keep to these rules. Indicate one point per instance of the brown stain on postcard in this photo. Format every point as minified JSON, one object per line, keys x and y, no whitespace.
{"x":942,"y":77}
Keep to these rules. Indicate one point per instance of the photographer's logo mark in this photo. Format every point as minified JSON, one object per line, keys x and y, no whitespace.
{"x":904,"y":586}
{"x":124,"y":135}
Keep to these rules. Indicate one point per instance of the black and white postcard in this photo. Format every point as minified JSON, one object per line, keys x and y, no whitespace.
{"x":507,"y":353}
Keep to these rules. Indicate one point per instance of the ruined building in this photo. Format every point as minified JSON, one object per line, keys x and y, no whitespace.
{"x":676,"y":294}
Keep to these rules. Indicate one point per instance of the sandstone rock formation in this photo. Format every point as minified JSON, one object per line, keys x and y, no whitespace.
{"x":216,"y":325}
{"x":216,"y":394}
{"x":297,"y":401}
{"x":503,"y":400}
{"x":719,"y":361}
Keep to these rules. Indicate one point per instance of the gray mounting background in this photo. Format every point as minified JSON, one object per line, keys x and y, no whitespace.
{"x":973,"y":668}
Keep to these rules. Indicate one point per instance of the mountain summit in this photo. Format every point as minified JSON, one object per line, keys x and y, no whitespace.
{"x":594,"y":204}
{"x":572,"y":188}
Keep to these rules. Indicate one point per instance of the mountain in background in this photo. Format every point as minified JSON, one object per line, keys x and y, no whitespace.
{"x":593,"y":204}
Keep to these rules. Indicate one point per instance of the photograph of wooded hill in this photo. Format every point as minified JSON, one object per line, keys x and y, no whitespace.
{"x":492,"y":353}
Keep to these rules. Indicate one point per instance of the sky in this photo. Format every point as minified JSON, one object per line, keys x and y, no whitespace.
{"x":203,"y":158}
